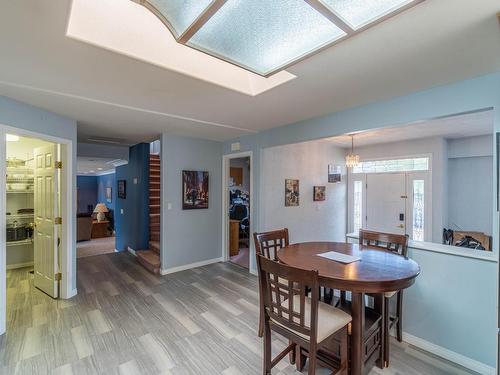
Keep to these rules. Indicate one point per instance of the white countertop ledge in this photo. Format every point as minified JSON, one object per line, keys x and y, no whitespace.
{"x":488,"y":256}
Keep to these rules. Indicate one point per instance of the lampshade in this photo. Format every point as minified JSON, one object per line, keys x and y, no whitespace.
{"x":100,"y":208}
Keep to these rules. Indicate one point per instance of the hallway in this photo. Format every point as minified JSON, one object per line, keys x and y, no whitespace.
{"x":126,"y":320}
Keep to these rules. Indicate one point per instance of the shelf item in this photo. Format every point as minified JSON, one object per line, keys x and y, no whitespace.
{"x":20,"y":191}
{"x":21,"y":216}
{"x":28,"y":241}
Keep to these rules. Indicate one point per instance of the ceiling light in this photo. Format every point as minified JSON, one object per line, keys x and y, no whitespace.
{"x":266,"y":36}
{"x":352,"y":159}
{"x":99,"y":169}
{"x":11,"y":138}
{"x":92,"y":171}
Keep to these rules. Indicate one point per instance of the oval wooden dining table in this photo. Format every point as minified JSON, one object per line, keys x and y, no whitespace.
{"x":377,"y":271}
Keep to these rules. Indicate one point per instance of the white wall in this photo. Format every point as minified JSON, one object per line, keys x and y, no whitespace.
{"x":437,"y":148}
{"x":307,"y":162}
{"x":470,"y":178}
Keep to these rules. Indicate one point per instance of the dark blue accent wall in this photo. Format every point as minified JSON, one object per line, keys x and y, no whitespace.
{"x":87,"y":192}
{"x":132,"y":226}
{"x":103,"y":182}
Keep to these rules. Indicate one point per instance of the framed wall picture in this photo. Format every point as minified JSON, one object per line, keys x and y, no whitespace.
{"x":122,"y":189}
{"x":292,"y":194}
{"x":319,"y":193}
{"x":194,"y":190}
{"x":109,"y":195}
{"x":334,"y":173}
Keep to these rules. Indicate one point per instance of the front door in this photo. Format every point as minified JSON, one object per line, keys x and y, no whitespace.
{"x":46,"y":212}
{"x":386,"y":202}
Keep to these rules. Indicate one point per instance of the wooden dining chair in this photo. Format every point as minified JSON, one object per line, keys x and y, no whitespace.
{"x":306,"y":322}
{"x":267,"y":244}
{"x":396,"y":243}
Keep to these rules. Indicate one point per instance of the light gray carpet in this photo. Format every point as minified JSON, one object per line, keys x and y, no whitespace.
{"x":96,"y":246}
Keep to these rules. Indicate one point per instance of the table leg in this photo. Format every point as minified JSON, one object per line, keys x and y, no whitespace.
{"x":380,"y":308}
{"x":357,"y":333}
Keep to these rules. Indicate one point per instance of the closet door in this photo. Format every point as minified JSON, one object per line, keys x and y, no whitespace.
{"x":46,"y":213}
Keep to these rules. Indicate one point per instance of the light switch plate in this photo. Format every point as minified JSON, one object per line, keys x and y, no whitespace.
{"x":121,"y":211}
{"x":135,"y":180}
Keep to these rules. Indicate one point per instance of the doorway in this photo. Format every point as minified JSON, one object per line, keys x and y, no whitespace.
{"x":399,"y":202}
{"x":36,"y":242}
{"x":237,"y":204}
{"x":33,"y":217}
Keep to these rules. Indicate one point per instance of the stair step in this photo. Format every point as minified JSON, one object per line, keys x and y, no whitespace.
{"x":154,"y":200}
{"x":154,"y":235}
{"x":154,"y":209}
{"x":154,"y":156}
{"x":154,"y":219}
{"x":154,"y":246}
{"x":149,"y":259}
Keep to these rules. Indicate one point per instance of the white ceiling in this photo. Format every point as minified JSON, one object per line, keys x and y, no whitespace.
{"x":90,"y":166}
{"x":461,"y":126}
{"x":113,"y":95}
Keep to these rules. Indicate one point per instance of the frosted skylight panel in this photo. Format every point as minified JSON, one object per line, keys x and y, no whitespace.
{"x":358,"y":13}
{"x":264,"y":35}
{"x":180,"y":14}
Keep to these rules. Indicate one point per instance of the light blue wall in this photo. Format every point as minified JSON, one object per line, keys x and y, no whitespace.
{"x":470,"y":95}
{"x":24,"y":116}
{"x":453,"y":304}
{"x":190,"y":236}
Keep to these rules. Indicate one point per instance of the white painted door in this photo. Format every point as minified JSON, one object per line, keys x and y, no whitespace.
{"x":386,"y":202}
{"x":46,"y":212}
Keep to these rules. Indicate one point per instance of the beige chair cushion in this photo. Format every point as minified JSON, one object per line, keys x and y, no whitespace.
{"x":330,"y":319}
{"x":389,"y":294}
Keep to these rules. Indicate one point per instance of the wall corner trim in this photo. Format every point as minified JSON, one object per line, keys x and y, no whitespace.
{"x":167,"y":271}
{"x":451,"y":356}
{"x":71,"y":294}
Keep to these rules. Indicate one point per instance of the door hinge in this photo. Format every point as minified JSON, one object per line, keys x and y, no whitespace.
{"x":58,"y":165}
{"x":58,"y":220}
{"x":58,"y":276}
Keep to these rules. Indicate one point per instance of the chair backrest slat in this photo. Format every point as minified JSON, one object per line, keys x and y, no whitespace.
{"x":397,"y":243}
{"x":268,"y":243}
{"x":284,"y":290}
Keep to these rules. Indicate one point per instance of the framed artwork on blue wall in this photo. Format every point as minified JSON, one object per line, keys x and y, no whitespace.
{"x":122,"y":189}
{"x":109,"y":195}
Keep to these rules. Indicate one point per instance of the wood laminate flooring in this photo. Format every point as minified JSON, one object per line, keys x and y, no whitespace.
{"x":127,"y":321}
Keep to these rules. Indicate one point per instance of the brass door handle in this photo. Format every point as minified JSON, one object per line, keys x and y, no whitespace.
{"x":400,"y":226}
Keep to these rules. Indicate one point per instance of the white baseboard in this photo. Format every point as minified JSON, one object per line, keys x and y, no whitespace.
{"x":131,"y":251}
{"x":19,"y":265}
{"x":451,"y":356}
{"x":166,"y":271}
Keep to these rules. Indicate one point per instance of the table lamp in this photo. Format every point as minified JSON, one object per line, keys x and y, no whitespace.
{"x":100,"y":210}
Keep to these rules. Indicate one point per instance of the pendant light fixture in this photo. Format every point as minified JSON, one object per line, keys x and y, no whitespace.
{"x":351,"y":159}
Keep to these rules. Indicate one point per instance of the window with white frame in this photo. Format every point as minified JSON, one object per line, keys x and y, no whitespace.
{"x":418,"y":213}
{"x":357,"y":206}
{"x":394,"y":165}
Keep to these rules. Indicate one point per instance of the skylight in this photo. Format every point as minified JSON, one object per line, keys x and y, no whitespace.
{"x":266,"y":36}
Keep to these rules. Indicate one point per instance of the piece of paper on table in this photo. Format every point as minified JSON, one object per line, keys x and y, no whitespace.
{"x":339,"y":257}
